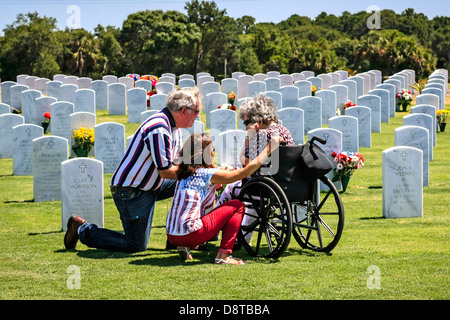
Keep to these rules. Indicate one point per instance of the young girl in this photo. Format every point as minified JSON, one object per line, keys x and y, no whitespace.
{"x":189,"y":222}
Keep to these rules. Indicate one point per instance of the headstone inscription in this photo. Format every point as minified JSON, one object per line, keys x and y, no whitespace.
{"x":48,"y":153}
{"x":402,"y":182}
{"x":82,"y":190}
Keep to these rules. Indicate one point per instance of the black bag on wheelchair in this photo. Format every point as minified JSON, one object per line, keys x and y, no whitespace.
{"x":315,"y":162}
{"x":290,"y":174}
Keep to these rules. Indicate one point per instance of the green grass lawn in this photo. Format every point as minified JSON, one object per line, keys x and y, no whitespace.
{"x":412,"y":255}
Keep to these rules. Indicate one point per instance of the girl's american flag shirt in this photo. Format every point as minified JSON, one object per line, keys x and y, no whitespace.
{"x":194,"y":197}
{"x":154,"y":146}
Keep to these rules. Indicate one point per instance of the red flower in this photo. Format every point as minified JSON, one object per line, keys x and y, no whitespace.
{"x":233,"y":108}
{"x":47,"y":115}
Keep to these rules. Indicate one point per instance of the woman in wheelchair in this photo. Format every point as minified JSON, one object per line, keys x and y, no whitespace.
{"x":190,"y":221}
{"x":261,"y":120}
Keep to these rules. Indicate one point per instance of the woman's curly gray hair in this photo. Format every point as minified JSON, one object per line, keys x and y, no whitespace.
{"x":260,"y":107}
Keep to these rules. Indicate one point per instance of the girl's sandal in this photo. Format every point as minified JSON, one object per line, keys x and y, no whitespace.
{"x":184,"y":253}
{"x":233,"y":261}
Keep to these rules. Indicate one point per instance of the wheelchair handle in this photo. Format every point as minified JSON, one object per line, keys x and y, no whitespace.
{"x":322,"y":141}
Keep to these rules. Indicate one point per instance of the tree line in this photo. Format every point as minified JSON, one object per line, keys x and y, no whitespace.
{"x":203,"y":38}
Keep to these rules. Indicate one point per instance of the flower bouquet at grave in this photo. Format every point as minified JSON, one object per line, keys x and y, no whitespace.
{"x":348,"y":104}
{"x":84,"y":141}
{"x":404,"y":99}
{"x":227,"y":106}
{"x":231,"y":98}
{"x":154,"y":80}
{"x":441,"y":116}
{"x":347,"y":163}
{"x":46,"y":122}
{"x":314,"y":90}
{"x":134,"y":76}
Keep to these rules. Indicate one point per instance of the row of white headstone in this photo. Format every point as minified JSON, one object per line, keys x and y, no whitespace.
{"x":48,"y":151}
{"x":405,"y":166}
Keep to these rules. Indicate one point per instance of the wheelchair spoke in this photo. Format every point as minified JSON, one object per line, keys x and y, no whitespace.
{"x":323,"y":201}
{"x":325,"y":225}
{"x":268,"y":239}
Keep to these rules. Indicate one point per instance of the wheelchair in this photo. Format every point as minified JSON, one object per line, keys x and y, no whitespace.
{"x":289,"y":202}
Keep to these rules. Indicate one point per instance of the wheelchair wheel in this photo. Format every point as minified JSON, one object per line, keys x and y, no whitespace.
{"x":318,"y":223}
{"x":267,"y":225}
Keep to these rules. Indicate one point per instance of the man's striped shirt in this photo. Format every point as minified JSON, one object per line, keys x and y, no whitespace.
{"x":154,"y":146}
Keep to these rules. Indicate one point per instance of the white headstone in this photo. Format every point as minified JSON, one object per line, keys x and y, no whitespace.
{"x":374,"y":103}
{"x":341,"y":95}
{"x":326,"y":80}
{"x":431,"y":111}
{"x":137,"y":103}
{"x":48,"y":153}
{"x":328,"y":104}
{"x":229,"y":85}
{"x":101,"y":94}
{"x":67,"y":93}
{"x":255,"y":87}
{"x":29,"y":105}
{"x":348,"y":125}
{"x":23,"y":136}
{"x":272,"y":84}
{"x":312,"y":111}
{"x":43,"y":105}
{"x":109,"y":144}
{"x":16,"y":96}
{"x":293,"y":120}
{"x":417,"y":137}
{"x":6,"y":91}
{"x":85,"y":100}
{"x":4,"y":108}
{"x":385,"y":103}
{"x":53,"y":88}
{"x":110,"y":79}
{"x":158,"y":101}
{"x":359,"y":86}
{"x":212,"y":101}
{"x":363,"y":114}
{"x":84,"y":83}
{"x":425,"y":121}
{"x":82,"y":190}
{"x":276,"y":97}
{"x":7,"y":122}
{"x":243,"y":82}
{"x":402,"y":182}
{"x":289,"y":95}
{"x":127,"y":81}
{"x":60,"y":111}
{"x":392,"y":96}
{"x":117,"y":99}
{"x":304,"y":88}
{"x":286,"y":80}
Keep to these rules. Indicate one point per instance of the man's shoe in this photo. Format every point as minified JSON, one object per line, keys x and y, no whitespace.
{"x":71,"y":237}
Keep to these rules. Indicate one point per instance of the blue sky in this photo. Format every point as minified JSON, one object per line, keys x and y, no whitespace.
{"x":114,"y":12}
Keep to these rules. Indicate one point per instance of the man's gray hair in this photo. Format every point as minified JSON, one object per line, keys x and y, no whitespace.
{"x":260,"y":107}
{"x":185,"y":97}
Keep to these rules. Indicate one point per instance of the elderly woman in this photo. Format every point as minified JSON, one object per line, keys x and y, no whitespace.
{"x":261,"y":121}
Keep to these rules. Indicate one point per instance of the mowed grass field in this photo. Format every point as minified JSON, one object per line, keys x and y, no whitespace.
{"x":410,"y":256}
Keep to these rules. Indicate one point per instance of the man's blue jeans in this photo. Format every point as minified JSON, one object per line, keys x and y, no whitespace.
{"x":136,"y":212}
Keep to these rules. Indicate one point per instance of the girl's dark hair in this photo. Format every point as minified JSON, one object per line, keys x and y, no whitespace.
{"x":196,"y":153}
